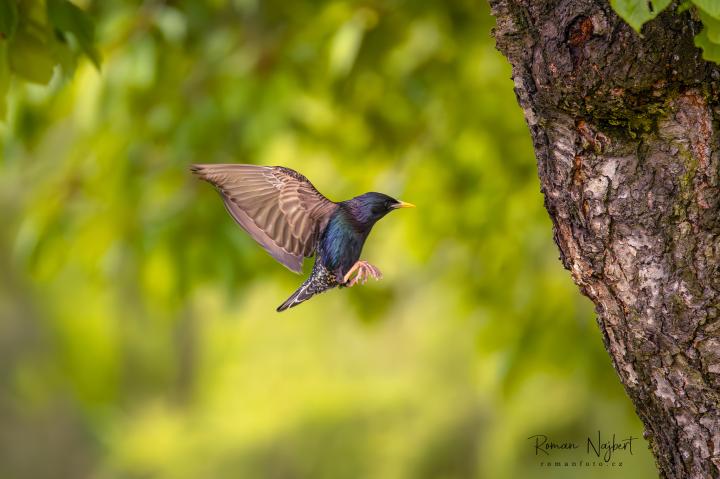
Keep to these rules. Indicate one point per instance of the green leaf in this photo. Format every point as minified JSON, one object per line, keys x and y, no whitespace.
{"x":710,"y":7}
{"x":637,"y":12}
{"x":8,"y":19}
{"x":711,"y":26}
{"x":685,"y":5}
{"x":4,"y":80}
{"x":68,"y":18}
{"x":711,"y":50}
{"x":30,"y":58}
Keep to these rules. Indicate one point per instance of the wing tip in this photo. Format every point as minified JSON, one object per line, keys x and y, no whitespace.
{"x":198,"y":170}
{"x":205,"y":170}
{"x":297,"y":269}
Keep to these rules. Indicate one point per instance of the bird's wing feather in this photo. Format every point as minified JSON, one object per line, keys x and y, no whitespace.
{"x":277,"y":206}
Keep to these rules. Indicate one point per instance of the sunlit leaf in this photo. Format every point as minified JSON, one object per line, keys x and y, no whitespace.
{"x":685,"y":5}
{"x":637,"y":12}
{"x":711,"y":7}
{"x":711,"y":26}
{"x":710,"y":49}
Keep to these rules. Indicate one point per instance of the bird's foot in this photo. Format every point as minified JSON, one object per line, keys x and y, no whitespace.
{"x":361,"y":271}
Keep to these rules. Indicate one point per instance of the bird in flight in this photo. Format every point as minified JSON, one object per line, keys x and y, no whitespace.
{"x":287,"y":216}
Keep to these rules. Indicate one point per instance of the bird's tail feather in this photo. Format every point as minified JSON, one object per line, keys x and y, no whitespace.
{"x":321,"y":279}
{"x":303,"y":293}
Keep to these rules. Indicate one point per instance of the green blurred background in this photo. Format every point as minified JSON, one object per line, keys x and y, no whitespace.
{"x":138,"y":333}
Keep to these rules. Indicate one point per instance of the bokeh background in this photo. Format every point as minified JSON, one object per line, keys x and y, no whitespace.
{"x":138,"y":333}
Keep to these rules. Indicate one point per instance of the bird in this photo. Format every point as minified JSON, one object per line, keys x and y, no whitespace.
{"x":286,"y":215}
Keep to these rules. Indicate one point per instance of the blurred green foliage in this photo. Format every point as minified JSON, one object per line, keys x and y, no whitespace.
{"x":138,"y":336}
{"x":37,"y":36}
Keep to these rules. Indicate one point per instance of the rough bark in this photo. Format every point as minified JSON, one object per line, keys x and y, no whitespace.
{"x":626,"y":134}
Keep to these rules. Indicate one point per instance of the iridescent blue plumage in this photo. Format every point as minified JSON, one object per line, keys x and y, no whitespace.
{"x":341,"y":243}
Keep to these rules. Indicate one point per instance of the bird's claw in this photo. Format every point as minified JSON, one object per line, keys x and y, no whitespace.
{"x":361,"y":270}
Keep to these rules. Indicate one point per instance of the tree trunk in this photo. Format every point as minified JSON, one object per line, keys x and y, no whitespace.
{"x":625,"y":130}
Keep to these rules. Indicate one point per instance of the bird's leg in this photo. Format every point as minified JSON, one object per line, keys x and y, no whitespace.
{"x":362,"y":270}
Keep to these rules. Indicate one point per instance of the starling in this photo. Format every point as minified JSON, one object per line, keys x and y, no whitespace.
{"x":288,"y":217}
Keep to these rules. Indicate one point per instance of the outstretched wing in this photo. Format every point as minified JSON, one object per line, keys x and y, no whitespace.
{"x":278,"y":206}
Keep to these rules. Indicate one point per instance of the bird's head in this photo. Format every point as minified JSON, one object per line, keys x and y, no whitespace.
{"x":370,"y":207}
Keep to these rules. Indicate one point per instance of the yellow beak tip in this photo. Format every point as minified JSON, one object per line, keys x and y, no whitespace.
{"x":404,"y":204}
